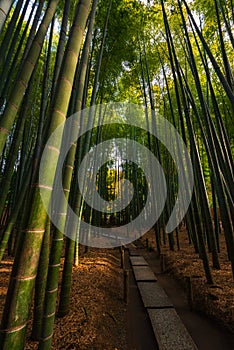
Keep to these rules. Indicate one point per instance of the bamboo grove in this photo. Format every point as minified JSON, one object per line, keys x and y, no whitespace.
{"x":57,"y":58}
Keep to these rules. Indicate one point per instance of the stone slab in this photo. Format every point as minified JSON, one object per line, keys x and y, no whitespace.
{"x":169,"y":330}
{"x":143,"y":273}
{"x":153,"y":295}
{"x":130,"y":246}
{"x":138,"y":261}
{"x":133,"y":252}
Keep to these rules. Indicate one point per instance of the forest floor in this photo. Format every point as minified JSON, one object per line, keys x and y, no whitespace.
{"x":97,"y":317}
{"x":217,"y":300}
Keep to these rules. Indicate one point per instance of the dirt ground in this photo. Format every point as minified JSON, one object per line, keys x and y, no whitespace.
{"x":97,"y":318}
{"x":215,"y":300}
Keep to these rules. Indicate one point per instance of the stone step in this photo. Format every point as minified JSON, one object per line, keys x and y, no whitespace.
{"x":138,"y":261}
{"x":143,"y":273}
{"x":130,"y":246}
{"x":153,"y":295}
{"x":169,"y":330}
{"x":133,"y":252}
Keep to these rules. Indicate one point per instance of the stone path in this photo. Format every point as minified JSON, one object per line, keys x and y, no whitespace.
{"x":143,"y":273}
{"x":153,"y":296}
{"x":169,"y":330}
{"x":138,"y":261}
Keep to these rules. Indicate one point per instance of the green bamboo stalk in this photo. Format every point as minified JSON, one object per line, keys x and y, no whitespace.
{"x":40,"y":284}
{"x":9,"y":32}
{"x":221,"y":6}
{"x":15,"y":144}
{"x":196,"y":163}
{"x":212,"y":154}
{"x":10,"y":224}
{"x":26,"y":262}
{"x":46,"y":77}
{"x":64,"y":302}
{"x":61,"y":47}
{"x":220,"y":75}
{"x":17,"y":94}
{"x":226,"y":63}
{"x":67,"y":75}
{"x":90,"y":118}
{"x":98,"y":68}
{"x":14,"y":47}
{"x":67,"y":271}
{"x":215,"y":211}
{"x":223,"y":149}
{"x":33,"y":29}
{"x":224,"y":210}
{"x":10,"y":162}
{"x":13,"y":55}
{"x":5,"y":6}
{"x":150,"y":146}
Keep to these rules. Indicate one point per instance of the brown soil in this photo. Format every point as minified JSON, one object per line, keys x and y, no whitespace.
{"x":97,"y":318}
{"x":215,"y":300}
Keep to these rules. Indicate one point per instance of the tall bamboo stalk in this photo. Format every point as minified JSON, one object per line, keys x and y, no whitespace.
{"x":17,"y":94}
{"x":26,"y":262}
{"x":5,"y":6}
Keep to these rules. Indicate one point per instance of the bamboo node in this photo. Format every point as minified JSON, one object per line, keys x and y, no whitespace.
{"x":11,"y":104}
{"x":34,"y":231}
{"x":5,"y":131}
{"x":69,"y":167}
{"x":45,"y":339}
{"x":42,"y":186}
{"x":52,"y":148}
{"x":66,"y":81}
{"x":25,"y":278}
{"x":1,"y":10}
{"x":23,"y":83}
{"x":52,"y":291}
{"x":38,"y":44}
{"x":14,"y":329}
{"x":60,"y":112}
{"x":30,"y":62}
